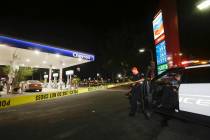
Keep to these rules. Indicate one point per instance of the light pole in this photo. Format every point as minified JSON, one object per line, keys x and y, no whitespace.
{"x":151,"y":68}
{"x":142,"y":50}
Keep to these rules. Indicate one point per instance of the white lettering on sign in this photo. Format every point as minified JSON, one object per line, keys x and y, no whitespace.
{"x":82,"y":56}
{"x":195,"y":101}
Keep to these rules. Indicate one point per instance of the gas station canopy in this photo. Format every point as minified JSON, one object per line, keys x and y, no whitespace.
{"x":28,"y":54}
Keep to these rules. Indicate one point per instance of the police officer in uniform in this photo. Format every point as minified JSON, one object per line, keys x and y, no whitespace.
{"x":136,"y":90}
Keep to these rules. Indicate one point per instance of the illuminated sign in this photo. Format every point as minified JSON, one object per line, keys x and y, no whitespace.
{"x":161,"y":56}
{"x":158,"y":28}
{"x":45,"y":76}
{"x":159,"y":37}
{"x":44,"y":48}
{"x":55,"y":74}
{"x":161,"y":53}
{"x":81,"y":55}
{"x":69,"y":72}
{"x":162,"y":68}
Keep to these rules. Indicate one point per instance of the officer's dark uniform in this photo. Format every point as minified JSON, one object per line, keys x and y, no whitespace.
{"x":135,"y":93}
{"x":170,"y":95}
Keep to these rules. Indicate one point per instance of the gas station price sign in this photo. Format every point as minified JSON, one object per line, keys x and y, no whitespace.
{"x":158,"y":28}
{"x":162,"y":68}
{"x":161,"y":53}
{"x":160,"y":44}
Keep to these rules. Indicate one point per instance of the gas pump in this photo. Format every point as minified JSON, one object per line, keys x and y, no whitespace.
{"x":69,"y":73}
{"x":45,"y":80}
{"x":55,"y":76}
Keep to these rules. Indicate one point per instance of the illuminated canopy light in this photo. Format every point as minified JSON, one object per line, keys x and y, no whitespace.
{"x":57,"y":55}
{"x":37,"y":52}
{"x":7,"y":41}
{"x":28,"y":60}
{"x":80,"y":59}
{"x":44,"y":62}
{"x":33,"y":55}
{"x":3,"y":45}
{"x":204,"y":5}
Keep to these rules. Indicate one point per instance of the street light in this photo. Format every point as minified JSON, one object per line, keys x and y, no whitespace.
{"x":180,"y":54}
{"x":151,"y":68}
{"x":97,"y":76}
{"x":119,"y":75}
{"x":142,"y":50}
{"x":204,"y":5}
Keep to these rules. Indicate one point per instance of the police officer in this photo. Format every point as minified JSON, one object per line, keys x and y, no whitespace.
{"x":136,"y":90}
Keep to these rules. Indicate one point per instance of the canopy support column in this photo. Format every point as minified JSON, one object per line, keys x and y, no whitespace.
{"x":50,"y":77}
{"x":61,"y":78}
{"x":61,"y":75}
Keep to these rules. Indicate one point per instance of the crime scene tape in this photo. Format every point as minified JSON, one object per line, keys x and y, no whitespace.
{"x":31,"y":98}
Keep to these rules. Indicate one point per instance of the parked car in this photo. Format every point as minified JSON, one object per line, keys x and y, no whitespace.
{"x":181,"y":92}
{"x":31,"y":85}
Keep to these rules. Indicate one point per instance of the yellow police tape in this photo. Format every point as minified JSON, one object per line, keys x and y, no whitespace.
{"x":24,"y":99}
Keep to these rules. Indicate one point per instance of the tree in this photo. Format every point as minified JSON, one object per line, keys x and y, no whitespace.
{"x":23,"y":73}
{"x":6,"y":70}
{"x":20,"y":74}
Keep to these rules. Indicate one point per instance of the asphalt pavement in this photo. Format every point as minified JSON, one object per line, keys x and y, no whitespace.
{"x":99,"y":115}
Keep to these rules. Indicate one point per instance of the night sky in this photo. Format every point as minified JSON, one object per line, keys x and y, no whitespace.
{"x":112,"y":31}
